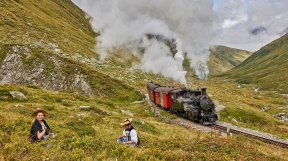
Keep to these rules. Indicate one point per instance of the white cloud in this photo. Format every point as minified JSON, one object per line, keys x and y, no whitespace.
{"x":232,"y":22}
{"x":248,"y":24}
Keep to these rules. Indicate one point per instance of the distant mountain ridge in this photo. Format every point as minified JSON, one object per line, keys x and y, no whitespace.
{"x":267,"y":67}
{"x":223,"y":58}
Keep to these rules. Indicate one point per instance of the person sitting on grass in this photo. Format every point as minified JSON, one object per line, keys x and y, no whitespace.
{"x":129,"y":136}
{"x":40,"y":130}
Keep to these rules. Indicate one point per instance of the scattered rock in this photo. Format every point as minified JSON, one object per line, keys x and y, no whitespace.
{"x":265,"y":108}
{"x":234,"y":120}
{"x":285,"y":95}
{"x":115,"y":113}
{"x":17,"y":105}
{"x":137,"y":102}
{"x":57,"y":51}
{"x":83,"y":107}
{"x":19,"y":95}
{"x":282,"y":116}
{"x":4,"y":97}
{"x":127,"y":112}
{"x":82,"y":114}
{"x":280,"y":108}
{"x":218,"y":107}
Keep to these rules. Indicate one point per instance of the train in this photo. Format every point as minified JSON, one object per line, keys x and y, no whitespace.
{"x":195,"y":105}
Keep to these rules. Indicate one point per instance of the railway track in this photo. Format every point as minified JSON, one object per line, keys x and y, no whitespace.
{"x":229,"y":131}
{"x":218,"y":127}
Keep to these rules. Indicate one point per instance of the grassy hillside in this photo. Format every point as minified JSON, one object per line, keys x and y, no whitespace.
{"x":223,"y":58}
{"x":58,"y":22}
{"x":266,"y":68}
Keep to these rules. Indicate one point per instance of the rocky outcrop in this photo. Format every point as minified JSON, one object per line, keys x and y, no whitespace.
{"x":282,"y":116}
{"x":20,"y":64}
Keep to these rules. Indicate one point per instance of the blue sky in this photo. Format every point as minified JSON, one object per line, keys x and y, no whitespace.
{"x":216,"y":3}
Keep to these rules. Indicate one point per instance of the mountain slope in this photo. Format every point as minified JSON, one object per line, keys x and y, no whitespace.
{"x":50,"y":44}
{"x":54,"y":21}
{"x":223,"y":58}
{"x":266,"y":68}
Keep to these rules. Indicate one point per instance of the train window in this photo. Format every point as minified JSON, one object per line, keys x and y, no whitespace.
{"x":173,"y":96}
{"x":186,"y":94}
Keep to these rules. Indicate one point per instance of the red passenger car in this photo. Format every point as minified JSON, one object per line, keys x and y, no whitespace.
{"x":162,"y":96}
{"x":151,"y":87}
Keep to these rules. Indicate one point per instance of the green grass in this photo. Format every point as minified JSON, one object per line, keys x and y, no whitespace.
{"x":90,"y":134}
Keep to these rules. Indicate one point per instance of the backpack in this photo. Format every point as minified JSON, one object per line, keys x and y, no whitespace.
{"x":33,"y":138}
{"x":129,"y":138}
{"x":138,"y":143}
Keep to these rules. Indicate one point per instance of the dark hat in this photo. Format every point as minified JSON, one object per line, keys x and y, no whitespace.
{"x":36,"y":112}
{"x":126,"y":121}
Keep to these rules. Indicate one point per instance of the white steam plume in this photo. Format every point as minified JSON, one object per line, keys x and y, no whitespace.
{"x":127,"y":23}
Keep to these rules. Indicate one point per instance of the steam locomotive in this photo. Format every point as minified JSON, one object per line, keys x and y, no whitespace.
{"x":193,"y":104}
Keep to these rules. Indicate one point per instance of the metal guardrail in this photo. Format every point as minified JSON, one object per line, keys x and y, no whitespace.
{"x":230,"y":131}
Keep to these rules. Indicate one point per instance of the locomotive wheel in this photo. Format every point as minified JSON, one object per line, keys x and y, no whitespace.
{"x":202,"y":120}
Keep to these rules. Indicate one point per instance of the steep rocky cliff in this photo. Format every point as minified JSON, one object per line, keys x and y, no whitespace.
{"x":28,"y":65}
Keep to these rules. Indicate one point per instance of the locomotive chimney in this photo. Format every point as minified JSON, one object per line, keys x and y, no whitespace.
{"x":203,"y":91}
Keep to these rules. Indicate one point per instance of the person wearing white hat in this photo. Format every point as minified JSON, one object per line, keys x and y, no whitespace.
{"x":129,"y":136}
{"x":40,"y":129}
